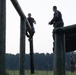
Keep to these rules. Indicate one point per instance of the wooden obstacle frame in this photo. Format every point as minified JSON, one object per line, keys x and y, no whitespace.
{"x":64,"y":42}
{"x":24,"y":25}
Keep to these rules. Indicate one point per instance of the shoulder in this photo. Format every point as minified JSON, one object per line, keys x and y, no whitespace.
{"x":59,"y":11}
{"x":32,"y":18}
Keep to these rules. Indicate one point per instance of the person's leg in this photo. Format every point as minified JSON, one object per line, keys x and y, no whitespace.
{"x":27,"y":34}
{"x":53,"y":40}
{"x":32,"y":32}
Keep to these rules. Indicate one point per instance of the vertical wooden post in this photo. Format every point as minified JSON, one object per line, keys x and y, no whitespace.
{"x":59,"y":53}
{"x":2,"y":35}
{"x":31,"y":56}
{"x":22,"y":46}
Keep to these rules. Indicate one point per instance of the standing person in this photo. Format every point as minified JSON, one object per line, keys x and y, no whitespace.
{"x":72,"y":63}
{"x":32,"y":21}
{"x":57,"y":21}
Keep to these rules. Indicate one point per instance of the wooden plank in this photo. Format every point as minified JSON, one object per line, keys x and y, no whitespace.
{"x":18,"y":8}
{"x":20,"y":12}
{"x":70,"y":37}
{"x":70,"y":42}
{"x":68,"y":29}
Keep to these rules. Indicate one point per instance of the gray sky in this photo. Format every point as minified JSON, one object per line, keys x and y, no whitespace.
{"x":42,"y":12}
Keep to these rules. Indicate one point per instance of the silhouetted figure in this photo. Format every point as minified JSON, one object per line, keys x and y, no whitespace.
{"x":72,"y":64}
{"x":57,"y":20}
{"x":30,"y":36}
{"x":31,"y":21}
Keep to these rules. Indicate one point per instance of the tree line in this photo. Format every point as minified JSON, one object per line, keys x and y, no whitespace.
{"x":41,"y":61}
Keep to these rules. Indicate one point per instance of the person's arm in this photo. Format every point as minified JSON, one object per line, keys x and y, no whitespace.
{"x":54,"y":18}
{"x":34,"y":21}
{"x":52,"y":21}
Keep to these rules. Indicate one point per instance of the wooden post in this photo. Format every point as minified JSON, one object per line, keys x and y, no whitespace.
{"x":31,"y":56}
{"x":59,"y":53}
{"x":2,"y":35}
{"x":22,"y":46}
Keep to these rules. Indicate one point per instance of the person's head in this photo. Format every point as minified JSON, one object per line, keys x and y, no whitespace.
{"x":29,"y":14}
{"x":54,"y":8}
{"x":72,"y":57}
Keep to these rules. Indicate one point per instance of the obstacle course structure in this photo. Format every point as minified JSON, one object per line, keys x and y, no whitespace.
{"x":64,"y":42}
{"x":23,"y":26}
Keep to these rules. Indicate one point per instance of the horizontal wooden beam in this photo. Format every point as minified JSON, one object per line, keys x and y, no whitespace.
{"x":68,"y":29}
{"x":70,"y":36}
{"x":20,"y":12}
{"x":18,"y":8}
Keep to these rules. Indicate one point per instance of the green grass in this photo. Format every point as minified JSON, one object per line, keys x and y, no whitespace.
{"x":16,"y":72}
{"x":69,"y":73}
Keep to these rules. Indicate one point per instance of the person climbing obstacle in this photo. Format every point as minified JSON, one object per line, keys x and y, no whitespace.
{"x":57,"y":18}
{"x":57,"y":21}
{"x":32,"y":21}
{"x":30,"y":35}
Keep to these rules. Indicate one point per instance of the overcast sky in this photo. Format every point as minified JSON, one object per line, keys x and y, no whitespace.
{"x":42,"y":12}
